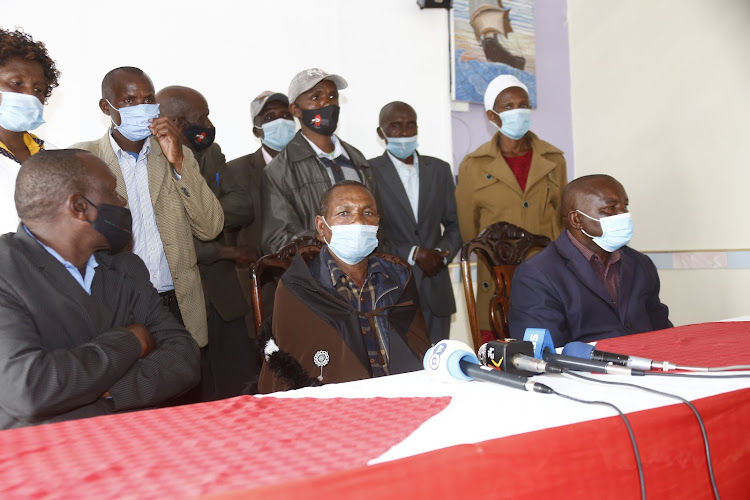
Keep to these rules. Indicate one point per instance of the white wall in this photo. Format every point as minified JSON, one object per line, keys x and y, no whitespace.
{"x":232,"y":50}
{"x":661,"y":101}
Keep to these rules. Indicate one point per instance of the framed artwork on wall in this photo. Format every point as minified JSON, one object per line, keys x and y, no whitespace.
{"x":491,"y":38}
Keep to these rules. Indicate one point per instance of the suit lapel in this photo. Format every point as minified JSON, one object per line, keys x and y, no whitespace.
{"x":540,"y":167}
{"x":395,"y":187}
{"x":59,"y":278}
{"x":627,"y":271}
{"x":158,"y":169}
{"x":582,"y":268}
{"x":426,"y":181}
{"x":109,"y":157}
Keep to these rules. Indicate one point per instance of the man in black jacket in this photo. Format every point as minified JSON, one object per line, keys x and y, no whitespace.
{"x":314,"y":160}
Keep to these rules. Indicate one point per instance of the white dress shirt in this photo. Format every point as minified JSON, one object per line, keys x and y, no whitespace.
{"x":409,"y":175}
{"x":147,"y":242}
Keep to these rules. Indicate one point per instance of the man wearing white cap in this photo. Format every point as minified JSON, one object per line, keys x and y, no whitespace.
{"x":313,"y":161}
{"x":515,"y":177}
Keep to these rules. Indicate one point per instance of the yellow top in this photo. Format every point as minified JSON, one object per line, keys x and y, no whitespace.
{"x":31,"y":144}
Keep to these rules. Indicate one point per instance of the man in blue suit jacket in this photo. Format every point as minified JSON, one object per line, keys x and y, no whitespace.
{"x":419,"y":207}
{"x":587,"y":285}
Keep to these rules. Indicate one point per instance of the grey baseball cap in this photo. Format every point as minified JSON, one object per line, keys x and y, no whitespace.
{"x":308,"y":78}
{"x":267,"y":95}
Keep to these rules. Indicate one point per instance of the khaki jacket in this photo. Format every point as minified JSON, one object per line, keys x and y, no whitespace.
{"x":488,"y":192}
{"x":184,"y":208}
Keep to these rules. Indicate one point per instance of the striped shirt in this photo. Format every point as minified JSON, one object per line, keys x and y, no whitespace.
{"x":147,"y":243}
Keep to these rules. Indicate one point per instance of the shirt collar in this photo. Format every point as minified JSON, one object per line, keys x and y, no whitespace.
{"x":335,"y":272}
{"x":120,"y":153}
{"x":266,"y":156}
{"x":90,"y":264}
{"x":338,"y":149}
{"x":399,"y":164}
{"x":588,"y":254}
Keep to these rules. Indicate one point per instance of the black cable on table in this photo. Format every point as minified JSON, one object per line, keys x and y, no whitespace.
{"x":670,"y":395}
{"x":627,"y":425}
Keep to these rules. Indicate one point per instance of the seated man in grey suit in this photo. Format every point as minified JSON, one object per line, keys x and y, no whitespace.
{"x":417,"y":194}
{"x":82,"y":331}
{"x":588,"y":284}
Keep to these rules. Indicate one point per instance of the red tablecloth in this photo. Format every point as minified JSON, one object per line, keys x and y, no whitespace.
{"x":195,"y":450}
{"x":707,"y":344}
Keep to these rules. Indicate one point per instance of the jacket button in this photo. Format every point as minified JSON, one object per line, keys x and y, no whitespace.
{"x":486,"y":285}
{"x":525,"y":204}
{"x":628,"y":326}
{"x":489,"y":176}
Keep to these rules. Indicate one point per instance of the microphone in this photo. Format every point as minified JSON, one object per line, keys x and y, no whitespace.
{"x":541,"y":339}
{"x":587,"y":365}
{"x":452,"y":361}
{"x":586,"y":351}
{"x":514,"y":356}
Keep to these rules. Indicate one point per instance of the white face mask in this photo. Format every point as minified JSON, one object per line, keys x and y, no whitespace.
{"x":516,"y":122}
{"x":20,"y":112}
{"x":617,"y":230}
{"x":352,"y":242}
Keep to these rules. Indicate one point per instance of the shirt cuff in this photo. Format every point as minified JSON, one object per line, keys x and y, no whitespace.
{"x":412,"y":253}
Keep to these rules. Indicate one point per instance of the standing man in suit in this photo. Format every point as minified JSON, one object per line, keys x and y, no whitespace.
{"x":273,"y":124}
{"x":313,"y":161}
{"x":169,"y":199}
{"x":82,"y":330}
{"x":232,"y":358}
{"x":418,"y":197}
{"x":588,"y":285}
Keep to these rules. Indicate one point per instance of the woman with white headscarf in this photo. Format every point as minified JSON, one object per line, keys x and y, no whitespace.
{"x":514,"y":177}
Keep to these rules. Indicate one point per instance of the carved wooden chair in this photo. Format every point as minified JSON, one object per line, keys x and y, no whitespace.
{"x":276,"y":263}
{"x":503,"y":246}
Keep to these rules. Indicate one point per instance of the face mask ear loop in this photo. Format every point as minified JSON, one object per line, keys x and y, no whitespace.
{"x":586,"y":215}
{"x":329,"y":227}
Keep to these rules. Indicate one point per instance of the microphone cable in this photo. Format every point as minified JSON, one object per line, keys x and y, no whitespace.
{"x":697,"y":375}
{"x":669,"y":395}
{"x":627,"y":425}
{"x":712,"y":368}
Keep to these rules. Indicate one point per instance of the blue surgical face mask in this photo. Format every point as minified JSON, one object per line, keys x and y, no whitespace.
{"x":134,"y":120}
{"x":20,"y":112}
{"x":516,"y":122}
{"x":401,"y":147}
{"x":617,"y":230}
{"x":278,"y":133}
{"x":352,"y":242}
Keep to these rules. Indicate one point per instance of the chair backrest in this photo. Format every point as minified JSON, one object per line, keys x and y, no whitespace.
{"x":265,"y":267}
{"x":503,"y":246}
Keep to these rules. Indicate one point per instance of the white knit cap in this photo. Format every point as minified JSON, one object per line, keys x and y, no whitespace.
{"x":499,"y":84}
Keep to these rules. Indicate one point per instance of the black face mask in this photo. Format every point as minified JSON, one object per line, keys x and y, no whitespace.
{"x":200,"y":137}
{"x":115,"y":224}
{"x":323,"y":120}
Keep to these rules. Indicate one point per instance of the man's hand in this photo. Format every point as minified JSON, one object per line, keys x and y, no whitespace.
{"x":166,"y":132}
{"x":144,"y":337}
{"x":429,"y":260}
{"x":240,"y":254}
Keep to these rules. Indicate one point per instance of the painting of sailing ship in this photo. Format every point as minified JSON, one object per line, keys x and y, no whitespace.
{"x":491,"y":38}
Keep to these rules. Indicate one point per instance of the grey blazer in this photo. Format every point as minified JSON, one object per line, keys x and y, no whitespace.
{"x":61,"y":349}
{"x":437,"y":206}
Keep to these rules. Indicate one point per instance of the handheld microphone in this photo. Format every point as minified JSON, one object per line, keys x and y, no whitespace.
{"x":451,"y":361}
{"x":514,"y":356}
{"x":587,"y":365}
{"x":586,"y":351}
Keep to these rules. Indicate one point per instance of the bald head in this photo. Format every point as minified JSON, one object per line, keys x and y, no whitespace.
{"x":111,"y":80}
{"x":584,"y":187}
{"x":177,"y":101}
{"x":47,"y":179}
{"x":387,"y":112}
